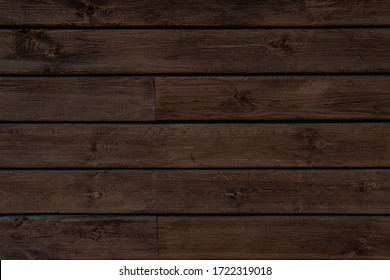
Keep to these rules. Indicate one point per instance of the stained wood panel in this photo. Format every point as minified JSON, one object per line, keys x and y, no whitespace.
{"x":195,"y":145}
{"x":273,"y":98}
{"x":195,"y":191}
{"x":194,"y":51}
{"x":77,"y":237}
{"x":230,"y":127}
{"x":274,"y":237}
{"x":77,"y":99}
{"x":194,"y":13}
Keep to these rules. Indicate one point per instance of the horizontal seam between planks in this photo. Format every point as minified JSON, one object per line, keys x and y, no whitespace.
{"x":138,"y":216}
{"x":307,"y":169}
{"x":197,"y":122}
{"x":195,"y":27}
{"x":81,"y":169}
{"x":201,"y":75}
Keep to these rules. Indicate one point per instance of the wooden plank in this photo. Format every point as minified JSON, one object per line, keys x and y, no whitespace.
{"x":194,"y":51}
{"x":273,"y":98}
{"x":77,"y":99}
{"x":194,"y":13}
{"x":194,"y":145}
{"x":195,"y":191}
{"x":274,"y":237}
{"x":78,"y":237}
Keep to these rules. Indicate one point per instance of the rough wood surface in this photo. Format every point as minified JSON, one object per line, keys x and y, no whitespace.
{"x":274,"y":237}
{"x":286,"y":111}
{"x":273,"y":98}
{"x":194,"y":13}
{"x":195,"y":145}
{"x":77,"y":99}
{"x":195,"y":191}
{"x":77,"y":237}
{"x":194,"y":51}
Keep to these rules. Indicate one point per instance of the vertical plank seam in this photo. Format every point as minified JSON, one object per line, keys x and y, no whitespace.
{"x":155,"y":97}
{"x":157,"y":238}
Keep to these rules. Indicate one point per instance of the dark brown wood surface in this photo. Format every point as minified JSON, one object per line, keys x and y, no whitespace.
{"x":194,"y":51}
{"x":235,"y":129}
{"x":195,"y":145}
{"x":274,"y":237}
{"x":77,"y":99}
{"x":273,"y":98}
{"x":78,"y":237}
{"x":195,"y":191}
{"x":194,"y":13}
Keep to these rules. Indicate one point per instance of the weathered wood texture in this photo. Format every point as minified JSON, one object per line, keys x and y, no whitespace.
{"x":194,"y":13}
{"x":78,"y":237}
{"x":274,"y":237}
{"x":194,"y":51}
{"x":273,"y":98}
{"x":163,"y":61}
{"x":195,"y":145}
{"x":77,"y":99}
{"x":226,"y":98}
{"x":195,"y":191}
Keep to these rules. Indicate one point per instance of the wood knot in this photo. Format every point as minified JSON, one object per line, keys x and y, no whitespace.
{"x":312,"y":140}
{"x":91,"y":10}
{"x":90,"y":158}
{"x":94,"y":234}
{"x":240,"y":102}
{"x":235,"y":194}
{"x":14,"y":131}
{"x":97,"y":194}
{"x":100,"y":173}
{"x":279,"y":45}
{"x":97,"y":146}
{"x":34,"y":44}
{"x":370,"y":186}
{"x":362,"y":240}
{"x":18,"y":222}
{"x":108,"y":146}
{"x":240,"y":95}
{"x":320,"y":143}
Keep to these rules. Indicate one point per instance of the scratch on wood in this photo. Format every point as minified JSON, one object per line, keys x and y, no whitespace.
{"x":350,"y":255}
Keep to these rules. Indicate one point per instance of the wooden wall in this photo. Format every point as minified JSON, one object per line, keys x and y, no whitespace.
{"x":200,"y":129}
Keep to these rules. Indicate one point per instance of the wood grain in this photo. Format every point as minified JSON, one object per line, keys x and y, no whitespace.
{"x":194,"y":51}
{"x":274,"y":237}
{"x":195,"y":191}
{"x":195,"y":145}
{"x":307,"y":80}
{"x":77,"y":99}
{"x":78,"y":237}
{"x":194,"y":13}
{"x":273,"y":98}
